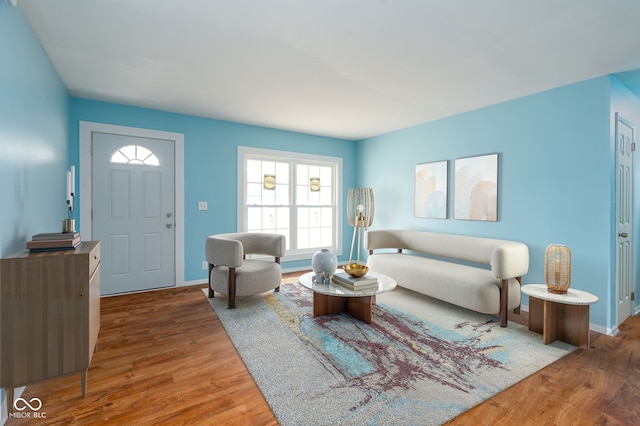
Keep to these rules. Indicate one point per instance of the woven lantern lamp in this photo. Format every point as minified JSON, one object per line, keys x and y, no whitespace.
{"x":557,"y":268}
{"x":359,"y":215}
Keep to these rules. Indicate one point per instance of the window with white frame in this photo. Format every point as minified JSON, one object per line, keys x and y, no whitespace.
{"x":297,"y":195}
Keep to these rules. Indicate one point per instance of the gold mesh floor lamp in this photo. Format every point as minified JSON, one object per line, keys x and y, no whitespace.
{"x":360,"y":208}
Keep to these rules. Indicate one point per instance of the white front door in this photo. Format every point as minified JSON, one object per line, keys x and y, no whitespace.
{"x":624,"y":218}
{"x":134,"y":211}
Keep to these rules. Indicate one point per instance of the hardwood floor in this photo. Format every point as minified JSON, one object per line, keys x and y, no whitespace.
{"x":164,"y":358}
{"x":599,"y":386}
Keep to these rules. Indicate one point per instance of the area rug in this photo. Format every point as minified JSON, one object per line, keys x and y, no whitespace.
{"x":420,"y":361}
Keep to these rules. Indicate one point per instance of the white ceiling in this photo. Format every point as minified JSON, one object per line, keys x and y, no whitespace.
{"x":343,"y":68}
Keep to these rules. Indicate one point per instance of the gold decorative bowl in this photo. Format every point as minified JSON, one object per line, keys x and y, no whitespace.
{"x":356,"y":269}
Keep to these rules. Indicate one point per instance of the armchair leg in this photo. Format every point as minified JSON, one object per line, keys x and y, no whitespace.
{"x":211,"y":292}
{"x":232,"y":288}
{"x":277,"y":289}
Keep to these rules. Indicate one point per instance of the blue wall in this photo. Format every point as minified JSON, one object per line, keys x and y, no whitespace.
{"x":34,"y":108}
{"x":210,"y":150}
{"x":555,"y":178}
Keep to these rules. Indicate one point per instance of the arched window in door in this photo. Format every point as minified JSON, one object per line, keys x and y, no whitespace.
{"x":135,"y":154}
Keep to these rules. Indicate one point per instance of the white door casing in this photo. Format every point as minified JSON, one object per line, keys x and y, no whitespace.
{"x":88,"y":131}
{"x":624,"y":219}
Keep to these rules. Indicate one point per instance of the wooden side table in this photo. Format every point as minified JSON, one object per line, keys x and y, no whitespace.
{"x":50,"y":303}
{"x":562,"y":317}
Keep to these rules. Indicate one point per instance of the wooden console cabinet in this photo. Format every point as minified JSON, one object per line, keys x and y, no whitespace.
{"x":50,"y":315}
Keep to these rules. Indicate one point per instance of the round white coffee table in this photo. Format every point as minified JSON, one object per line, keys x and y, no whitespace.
{"x":562,"y":317}
{"x":332,"y":298}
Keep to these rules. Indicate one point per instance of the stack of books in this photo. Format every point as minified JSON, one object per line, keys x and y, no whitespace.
{"x":54,"y":241}
{"x":345,"y":280}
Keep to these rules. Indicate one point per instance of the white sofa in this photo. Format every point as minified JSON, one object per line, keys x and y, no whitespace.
{"x":452,"y":267}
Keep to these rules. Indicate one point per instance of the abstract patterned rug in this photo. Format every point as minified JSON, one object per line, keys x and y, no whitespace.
{"x":421,"y":368}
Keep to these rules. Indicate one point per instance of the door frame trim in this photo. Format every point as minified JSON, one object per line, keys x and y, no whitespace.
{"x":87,"y":128}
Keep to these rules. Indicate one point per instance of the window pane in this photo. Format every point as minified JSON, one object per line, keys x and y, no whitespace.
{"x":302,"y":174}
{"x":268,"y":196}
{"x":303,"y":218}
{"x":282,"y":194}
{"x":129,"y":151}
{"x":326,"y":186}
{"x":314,"y":218}
{"x":314,"y":197}
{"x":326,"y":237}
{"x":254,"y":219}
{"x":302,"y":195}
{"x":282,"y":218}
{"x":282,"y":173}
{"x":314,"y":237}
{"x":314,"y":171}
{"x":269,"y":168}
{"x":254,"y":193}
{"x":142,"y":153}
{"x":326,"y":198}
{"x":327,"y":217}
{"x":151,"y":160}
{"x":118,"y":157}
{"x":254,"y":171}
{"x":325,"y":176}
{"x":268,"y":219}
{"x":303,"y":239}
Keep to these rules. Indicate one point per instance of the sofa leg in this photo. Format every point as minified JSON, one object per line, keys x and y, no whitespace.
{"x":517,"y":310}
{"x":277,"y":289}
{"x":504,"y":302}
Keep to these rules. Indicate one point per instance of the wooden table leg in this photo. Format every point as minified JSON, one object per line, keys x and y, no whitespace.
{"x":83,"y":382}
{"x":324,"y":304}
{"x":559,"y":321}
{"x":9,"y":392}
{"x":552,"y":320}
{"x":536,"y":315}
{"x":358,"y":307}
{"x":573,"y":327}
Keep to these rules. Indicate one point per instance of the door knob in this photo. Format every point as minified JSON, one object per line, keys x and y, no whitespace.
{"x":169,"y":225}
{"x":623,"y":234}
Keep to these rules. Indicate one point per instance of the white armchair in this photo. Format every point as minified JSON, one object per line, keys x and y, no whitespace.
{"x":231,"y":273}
